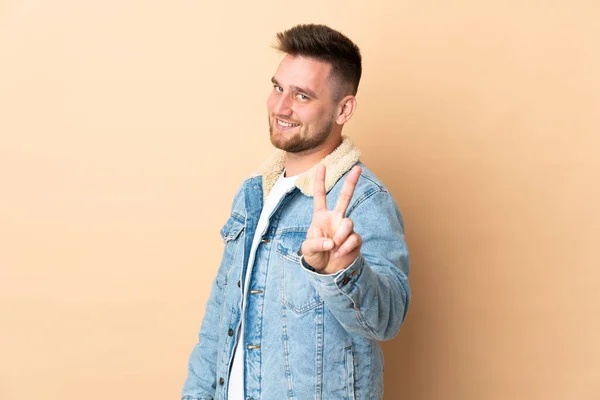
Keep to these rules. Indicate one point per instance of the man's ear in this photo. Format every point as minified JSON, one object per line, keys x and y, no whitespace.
{"x":346,"y":108}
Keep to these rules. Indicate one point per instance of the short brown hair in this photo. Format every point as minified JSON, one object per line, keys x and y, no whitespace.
{"x":325,"y":44}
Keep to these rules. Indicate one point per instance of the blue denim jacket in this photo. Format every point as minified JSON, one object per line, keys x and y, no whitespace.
{"x":307,"y":335}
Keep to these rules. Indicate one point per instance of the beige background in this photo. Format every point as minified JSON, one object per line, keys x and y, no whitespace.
{"x":126,"y":127}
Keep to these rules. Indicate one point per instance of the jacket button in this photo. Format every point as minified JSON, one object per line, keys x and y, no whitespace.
{"x":221,"y":381}
{"x":230,"y":332}
{"x":239,"y":284}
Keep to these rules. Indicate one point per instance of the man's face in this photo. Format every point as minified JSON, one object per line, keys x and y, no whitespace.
{"x":301,"y":106}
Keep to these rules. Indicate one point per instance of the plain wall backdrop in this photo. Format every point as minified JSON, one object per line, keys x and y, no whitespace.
{"x":126,"y":127}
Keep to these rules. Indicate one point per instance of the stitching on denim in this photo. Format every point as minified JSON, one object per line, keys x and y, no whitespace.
{"x":293,"y":229}
{"x":235,"y":253}
{"x":350,"y":379}
{"x":239,"y":217}
{"x":320,"y":336}
{"x":286,"y":302}
{"x":362,"y":175}
{"x":358,"y":313}
{"x":363,"y":323}
{"x":286,"y":354}
{"x":362,"y":198}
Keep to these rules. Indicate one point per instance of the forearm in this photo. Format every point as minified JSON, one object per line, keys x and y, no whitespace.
{"x":369,"y":301}
{"x":202,"y":366}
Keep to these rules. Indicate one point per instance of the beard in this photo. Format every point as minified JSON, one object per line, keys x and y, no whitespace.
{"x":299,"y":143}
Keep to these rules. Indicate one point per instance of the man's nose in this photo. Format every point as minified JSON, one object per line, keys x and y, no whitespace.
{"x":283,"y":105}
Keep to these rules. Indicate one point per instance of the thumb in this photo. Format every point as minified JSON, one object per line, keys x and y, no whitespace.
{"x":316,"y":245}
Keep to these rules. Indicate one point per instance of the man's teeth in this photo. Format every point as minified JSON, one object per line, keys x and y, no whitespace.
{"x":286,"y":124}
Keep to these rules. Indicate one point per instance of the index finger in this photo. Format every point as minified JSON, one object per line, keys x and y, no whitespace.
{"x":347,"y":190}
{"x":320,"y":192}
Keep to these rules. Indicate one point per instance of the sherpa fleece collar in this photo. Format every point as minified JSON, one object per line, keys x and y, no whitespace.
{"x":337,"y":162}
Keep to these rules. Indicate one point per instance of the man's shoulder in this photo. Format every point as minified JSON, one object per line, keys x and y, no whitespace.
{"x":371,"y":191}
{"x":367,"y":185}
{"x":369,"y":179}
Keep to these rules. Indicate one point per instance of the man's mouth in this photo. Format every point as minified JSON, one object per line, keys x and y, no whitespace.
{"x":284,"y":124}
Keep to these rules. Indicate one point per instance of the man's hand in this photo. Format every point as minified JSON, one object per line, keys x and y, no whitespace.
{"x":331,"y":243}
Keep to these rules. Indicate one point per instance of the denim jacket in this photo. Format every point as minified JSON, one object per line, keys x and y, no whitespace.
{"x":307,"y":335}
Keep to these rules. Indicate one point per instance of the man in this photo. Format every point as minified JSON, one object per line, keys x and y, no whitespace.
{"x":304,"y":291}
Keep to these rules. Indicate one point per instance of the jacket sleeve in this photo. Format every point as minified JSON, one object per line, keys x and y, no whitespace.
{"x":201,"y":379}
{"x":202,"y":366}
{"x":370,"y":297}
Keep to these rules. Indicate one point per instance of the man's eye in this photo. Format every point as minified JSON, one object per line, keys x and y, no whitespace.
{"x":301,"y":96}
{"x":278,"y":88}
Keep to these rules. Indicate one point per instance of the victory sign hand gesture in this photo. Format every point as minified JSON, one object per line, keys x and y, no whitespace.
{"x":331,"y":243}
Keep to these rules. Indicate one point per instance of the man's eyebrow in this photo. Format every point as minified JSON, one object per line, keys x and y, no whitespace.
{"x":309,"y":92}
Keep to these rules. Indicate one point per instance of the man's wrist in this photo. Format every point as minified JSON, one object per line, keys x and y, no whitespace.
{"x":312,"y":269}
{"x":306,"y":265}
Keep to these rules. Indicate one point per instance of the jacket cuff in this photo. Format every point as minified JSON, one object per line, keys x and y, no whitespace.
{"x":342,"y":280}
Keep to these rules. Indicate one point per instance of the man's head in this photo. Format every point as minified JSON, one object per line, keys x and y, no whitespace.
{"x":322,"y":43}
{"x":314,"y":87}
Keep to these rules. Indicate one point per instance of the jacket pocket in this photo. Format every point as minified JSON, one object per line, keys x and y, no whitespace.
{"x":297,"y":292}
{"x":231,"y":233}
{"x":349,"y":360}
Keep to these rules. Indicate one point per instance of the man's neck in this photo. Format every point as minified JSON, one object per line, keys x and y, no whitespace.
{"x":297,"y":163}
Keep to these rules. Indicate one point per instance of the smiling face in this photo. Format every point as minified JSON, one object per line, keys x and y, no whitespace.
{"x":302,"y":110}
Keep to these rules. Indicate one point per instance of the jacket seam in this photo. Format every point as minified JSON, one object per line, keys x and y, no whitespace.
{"x":381,"y":187}
{"x":368,"y":194}
{"x":238,"y":217}
{"x":358,"y":313}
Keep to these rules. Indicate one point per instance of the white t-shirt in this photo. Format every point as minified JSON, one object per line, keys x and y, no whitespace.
{"x":236,"y":377}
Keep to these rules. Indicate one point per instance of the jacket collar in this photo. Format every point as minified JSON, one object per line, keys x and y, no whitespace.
{"x":338,"y":162}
